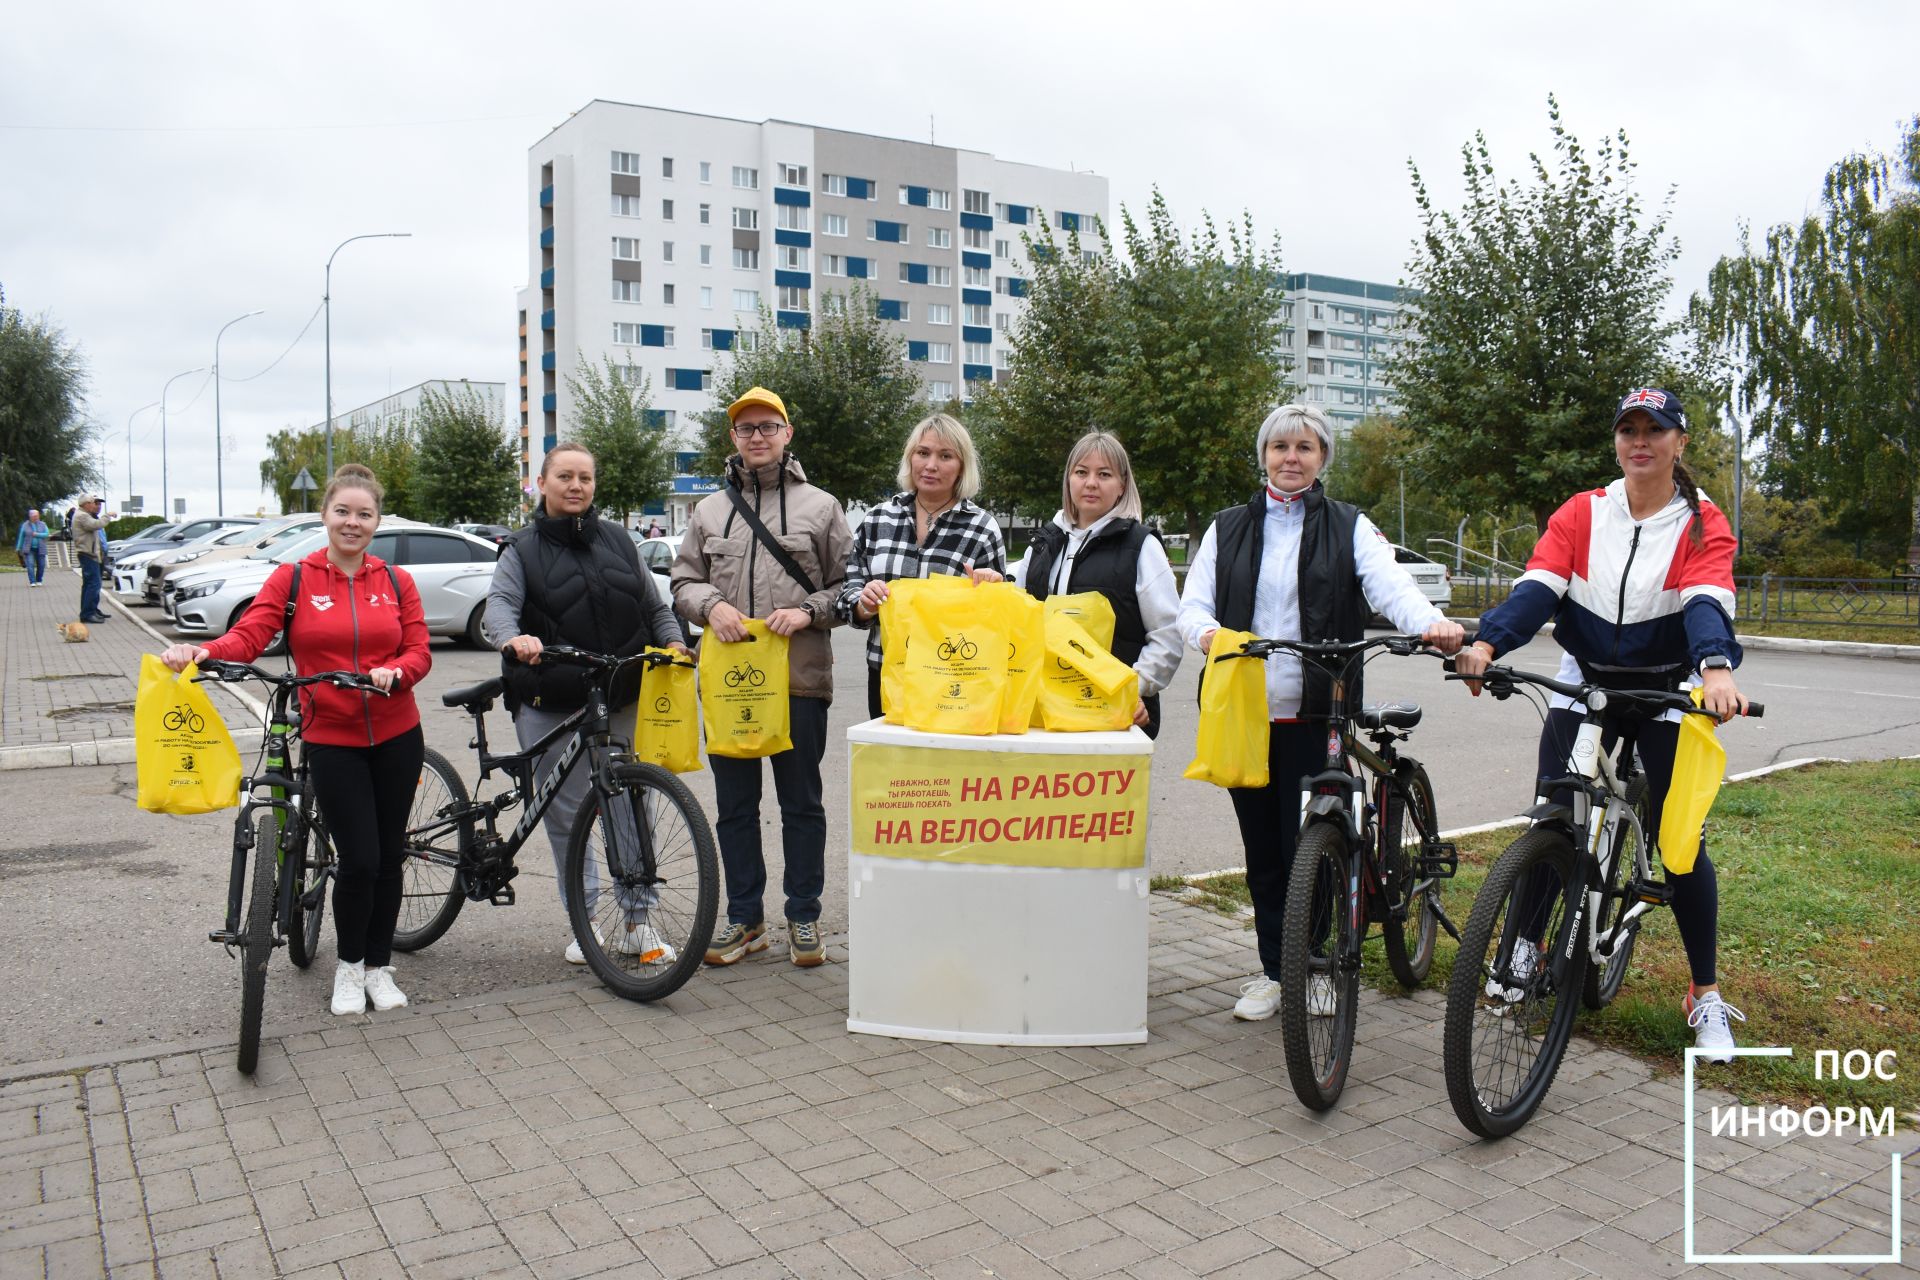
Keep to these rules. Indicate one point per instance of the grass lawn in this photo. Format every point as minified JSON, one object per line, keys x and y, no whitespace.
{"x":1819,"y":874}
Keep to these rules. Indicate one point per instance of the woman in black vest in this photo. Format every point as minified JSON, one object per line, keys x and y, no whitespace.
{"x":572,"y":578}
{"x":1292,"y":563}
{"x":1097,"y":543}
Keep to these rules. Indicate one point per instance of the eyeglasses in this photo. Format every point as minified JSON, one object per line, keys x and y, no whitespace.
{"x":747,"y":430}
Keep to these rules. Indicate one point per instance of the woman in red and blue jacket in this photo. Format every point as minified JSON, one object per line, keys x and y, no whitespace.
{"x":1637,"y":579}
{"x":355,"y":612}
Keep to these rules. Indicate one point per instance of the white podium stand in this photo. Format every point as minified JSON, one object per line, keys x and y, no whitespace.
{"x":1011,"y":906}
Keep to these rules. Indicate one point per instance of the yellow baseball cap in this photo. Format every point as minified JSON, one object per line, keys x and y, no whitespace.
{"x":760,"y":396}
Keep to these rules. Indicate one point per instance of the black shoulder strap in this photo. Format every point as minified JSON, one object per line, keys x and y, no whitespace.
{"x":766,"y":538}
{"x":293,"y":599}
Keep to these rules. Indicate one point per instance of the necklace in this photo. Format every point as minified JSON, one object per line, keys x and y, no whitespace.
{"x":930,"y":512}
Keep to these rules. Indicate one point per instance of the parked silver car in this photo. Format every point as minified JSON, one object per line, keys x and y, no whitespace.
{"x":231,"y":545}
{"x":129,"y":570}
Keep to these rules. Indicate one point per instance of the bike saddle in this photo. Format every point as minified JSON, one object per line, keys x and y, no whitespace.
{"x":475,"y":697}
{"x":1390,"y":715}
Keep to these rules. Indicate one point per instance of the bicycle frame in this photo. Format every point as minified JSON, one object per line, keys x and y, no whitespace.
{"x":1595,"y":779}
{"x":284,"y":788}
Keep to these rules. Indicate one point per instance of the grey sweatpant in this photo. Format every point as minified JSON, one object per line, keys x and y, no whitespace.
{"x":530,"y":724}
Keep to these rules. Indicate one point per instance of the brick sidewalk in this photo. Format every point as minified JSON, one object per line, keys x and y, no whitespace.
{"x":740,"y":1130}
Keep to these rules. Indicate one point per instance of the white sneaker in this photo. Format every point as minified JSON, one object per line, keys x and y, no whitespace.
{"x":574,"y":954}
{"x":382,"y":991}
{"x":1258,"y":999}
{"x":1320,"y":996}
{"x":646,"y":943}
{"x":1525,"y":956}
{"x":350,"y":987}
{"x":1711,"y":1017}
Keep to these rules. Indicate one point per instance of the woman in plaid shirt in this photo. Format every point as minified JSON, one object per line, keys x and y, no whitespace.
{"x":931,"y":527}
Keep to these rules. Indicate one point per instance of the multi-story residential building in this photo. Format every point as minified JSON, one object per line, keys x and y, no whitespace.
{"x":657,"y":236}
{"x":1337,"y":335}
{"x":400,"y":404}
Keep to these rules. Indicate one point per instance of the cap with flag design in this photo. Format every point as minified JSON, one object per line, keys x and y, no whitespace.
{"x":1662,"y":406}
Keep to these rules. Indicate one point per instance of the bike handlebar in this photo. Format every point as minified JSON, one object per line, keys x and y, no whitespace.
{"x":567,"y":653}
{"x":232,"y":672}
{"x":1500,"y":682}
{"x":1327,"y":650}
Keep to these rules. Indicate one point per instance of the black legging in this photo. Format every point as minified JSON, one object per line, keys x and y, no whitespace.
{"x":365,"y":794}
{"x":1269,"y":819}
{"x":1696,"y":895}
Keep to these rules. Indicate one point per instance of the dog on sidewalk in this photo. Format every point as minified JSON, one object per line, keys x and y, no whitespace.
{"x":73,"y":632}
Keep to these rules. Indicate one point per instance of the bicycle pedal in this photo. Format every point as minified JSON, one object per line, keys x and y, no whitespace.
{"x":226,"y":937}
{"x":502,"y":897}
{"x":1439,"y":859}
{"x":1657,"y":892}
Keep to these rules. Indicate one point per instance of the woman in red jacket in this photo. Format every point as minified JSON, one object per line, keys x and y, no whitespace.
{"x":354,"y":613}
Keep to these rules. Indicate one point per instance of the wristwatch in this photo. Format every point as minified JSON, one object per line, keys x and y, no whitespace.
{"x":810,"y":609}
{"x":1715,"y":661}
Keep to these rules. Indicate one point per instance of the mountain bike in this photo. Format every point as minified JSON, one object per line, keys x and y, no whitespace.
{"x":1554,"y":924}
{"x":642,"y":878}
{"x":293,"y":860}
{"x":1369,"y":852}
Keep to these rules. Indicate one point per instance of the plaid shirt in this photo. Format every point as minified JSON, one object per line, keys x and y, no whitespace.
{"x":885,"y":547}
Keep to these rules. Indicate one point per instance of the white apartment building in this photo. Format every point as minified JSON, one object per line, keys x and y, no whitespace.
{"x":1337,"y":335}
{"x":656,"y":236}
{"x":405,"y":403}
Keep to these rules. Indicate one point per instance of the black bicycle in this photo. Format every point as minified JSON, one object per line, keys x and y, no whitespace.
{"x":293,"y":860}
{"x":642,"y":879}
{"x":1559,"y":911}
{"x":1369,"y":852}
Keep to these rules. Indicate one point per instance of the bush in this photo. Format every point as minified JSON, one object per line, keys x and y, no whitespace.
{"x":127,"y":526}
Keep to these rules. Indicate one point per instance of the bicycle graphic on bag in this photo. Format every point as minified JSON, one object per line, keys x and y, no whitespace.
{"x":962,"y":648}
{"x":746,"y":673}
{"x":184,"y":718}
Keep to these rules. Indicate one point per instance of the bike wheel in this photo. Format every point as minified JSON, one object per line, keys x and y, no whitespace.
{"x":1411,"y":926}
{"x":1603,"y":980}
{"x":1319,"y":1048}
{"x":257,"y":948}
{"x":433,"y":890}
{"x":307,"y":907}
{"x":643,"y":857}
{"x":1501,"y":1050}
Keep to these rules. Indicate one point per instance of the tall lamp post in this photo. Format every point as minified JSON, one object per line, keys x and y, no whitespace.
{"x":219,"y":491}
{"x":130,"y":417}
{"x":166,"y":494}
{"x":326,"y":301}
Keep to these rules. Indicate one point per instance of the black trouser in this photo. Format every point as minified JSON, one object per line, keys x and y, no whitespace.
{"x":365,"y":794}
{"x":803,"y":819}
{"x":1270,"y":830}
{"x":1696,"y":895}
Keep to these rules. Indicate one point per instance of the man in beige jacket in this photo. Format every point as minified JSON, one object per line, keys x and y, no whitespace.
{"x":726,"y":572}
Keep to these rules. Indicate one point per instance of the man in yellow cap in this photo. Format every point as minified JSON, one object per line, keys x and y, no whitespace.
{"x":769,"y":545}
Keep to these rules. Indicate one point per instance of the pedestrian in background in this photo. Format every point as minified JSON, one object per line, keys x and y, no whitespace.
{"x":90,"y":541}
{"x":31,"y":544}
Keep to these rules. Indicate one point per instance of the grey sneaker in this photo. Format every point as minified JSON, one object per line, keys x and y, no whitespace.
{"x":803,"y":943}
{"x":735,"y":942}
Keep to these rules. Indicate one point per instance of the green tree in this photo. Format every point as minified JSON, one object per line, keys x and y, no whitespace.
{"x":633,"y":461}
{"x":385,"y":447}
{"x":465,"y":469}
{"x":849,"y":392}
{"x":289,"y":451}
{"x":44,"y":431}
{"x":1535,"y":306}
{"x":1817,"y":332}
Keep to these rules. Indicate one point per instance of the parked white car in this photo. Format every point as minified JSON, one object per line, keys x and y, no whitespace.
{"x":130,"y":570}
{"x":1433,"y":578}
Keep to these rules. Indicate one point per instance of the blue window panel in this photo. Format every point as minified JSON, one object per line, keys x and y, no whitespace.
{"x":890,"y":232}
{"x":723,"y":339}
{"x":684,"y":379}
{"x":793,"y":279}
{"x":546,"y":319}
{"x":1016,"y":286}
{"x":546,"y":196}
{"x":798,"y":239}
{"x":547,"y":442}
{"x":796,"y":196}
{"x":654,"y":417}
{"x":859,"y":188}
{"x":917,"y":196}
{"x":1069,"y":222}
{"x":976,"y":222}
{"x":917,"y":351}
{"x":916,"y":273}
{"x":549,"y":402}
{"x":1041,"y":252}
{"x":546,"y":238}
{"x":1019,"y":214}
{"x":546,"y":361}
{"x":971,"y":259}
{"x":683,"y":462}
{"x":858,"y":269}
{"x":887,"y":309}
{"x":688,"y":484}
{"x":653,"y":335}
{"x":793,"y":319}
{"x":973,"y":297}
{"x":977,"y":372}
{"x":975,"y":333}
{"x":546,"y":278}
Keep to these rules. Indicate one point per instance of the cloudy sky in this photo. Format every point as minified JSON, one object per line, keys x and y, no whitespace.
{"x":170,"y":167}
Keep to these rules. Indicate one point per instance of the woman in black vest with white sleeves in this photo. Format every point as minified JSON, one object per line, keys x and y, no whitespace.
{"x":1290,"y":564}
{"x":571,"y":578}
{"x":1097,"y":543}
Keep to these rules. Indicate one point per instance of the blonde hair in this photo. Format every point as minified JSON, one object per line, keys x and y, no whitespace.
{"x":1109,"y":447}
{"x":950,"y":431}
{"x":1294,"y":419}
{"x":351,"y":475}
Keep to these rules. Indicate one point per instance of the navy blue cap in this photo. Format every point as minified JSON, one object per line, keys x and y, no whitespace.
{"x":1662,"y":406}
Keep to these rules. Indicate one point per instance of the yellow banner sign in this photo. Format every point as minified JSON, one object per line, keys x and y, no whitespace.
{"x":1005,"y":808}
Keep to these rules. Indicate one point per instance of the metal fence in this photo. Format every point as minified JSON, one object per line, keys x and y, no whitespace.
{"x":1884,"y":604}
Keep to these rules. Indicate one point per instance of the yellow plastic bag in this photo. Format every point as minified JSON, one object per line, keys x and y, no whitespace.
{"x":892,"y":621}
{"x":1024,"y":623}
{"x":1094,"y":613}
{"x":666,"y":731}
{"x":743,"y":693}
{"x":184,"y":758}
{"x":955,"y":668}
{"x":1699,"y":763}
{"x":1083,"y":688}
{"x":1232,"y":745}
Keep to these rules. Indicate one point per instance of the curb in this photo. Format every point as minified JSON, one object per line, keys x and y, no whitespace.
{"x":1787,"y":644}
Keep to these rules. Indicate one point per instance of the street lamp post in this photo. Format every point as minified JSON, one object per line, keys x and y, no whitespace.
{"x":326,"y":303}
{"x":166,"y":495}
{"x":130,"y":417}
{"x":219,"y":491}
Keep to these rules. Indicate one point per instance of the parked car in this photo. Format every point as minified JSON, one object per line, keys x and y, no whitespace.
{"x":128,"y":570}
{"x":495,"y":533}
{"x":656,"y":555}
{"x":452,"y":570}
{"x":152,"y":533}
{"x":175,"y":535}
{"x":232,"y":545}
{"x":1432,"y":577}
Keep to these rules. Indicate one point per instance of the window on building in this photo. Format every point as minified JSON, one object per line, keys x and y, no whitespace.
{"x":976,"y":277}
{"x":626,"y":291}
{"x":939,"y":238}
{"x":666,"y":251}
{"x":833,"y":304}
{"x":1316,"y":367}
{"x":666,"y":211}
{"x":939,"y":353}
{"x":1003,"y":248}
{"x":666,"y":295}
{"x":791,"y":217}
{"x":1002,"y":358}
{"x":833,"y":224}
{"x":626,"y":248}
{"x":625,"y":206}
{"x":626,"y":162}
{"x":666,"y":166}
{"x":792,"y":258}
{"x":706,"y":171}
{"x":1316,"y":338}
{"x":706,"y":297}
{"x":975,"y":237}
{"x":938,"y":199}
{"x":939,"y":313}
{"x":833,"y":184}
{"x":746,"y":219}
{"x":706,"y":255}
{"x":975,"y":201}
{"x":746,"y":259}
{"x":1000,"y":285}
{"x":1319,"y":312}
{"x":706,"y":215}
{"x":793,"y":175}
{"x":940,"y":277}
{"x":979,"y":353}
{"x":746,"y":179}
{"x":939,"y":392}
{"x":832,"y":264}
{"x":977,"y":313}
{"x":792,"y":299}
{"x":706,"y":339}
{"x":1003,"y":322}
{"x":746,"y":299}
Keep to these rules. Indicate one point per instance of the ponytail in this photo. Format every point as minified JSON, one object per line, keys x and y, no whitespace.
{"x":1683,"y":481}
